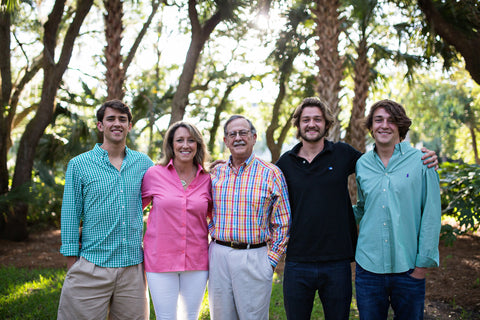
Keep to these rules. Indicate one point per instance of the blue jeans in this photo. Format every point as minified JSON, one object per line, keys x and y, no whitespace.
{"x":376,"y":292}
{"x":332,"y":280}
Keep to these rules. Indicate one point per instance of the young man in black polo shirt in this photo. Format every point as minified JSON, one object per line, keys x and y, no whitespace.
{"x":323,"y":232}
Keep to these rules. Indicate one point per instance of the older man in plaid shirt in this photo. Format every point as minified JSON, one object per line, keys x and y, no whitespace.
{"x":249,"y":227}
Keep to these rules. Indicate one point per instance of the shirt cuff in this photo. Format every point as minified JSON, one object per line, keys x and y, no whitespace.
{"x":273,"y":257}
{"x":70,"y":250}
{"x":426,"y":262}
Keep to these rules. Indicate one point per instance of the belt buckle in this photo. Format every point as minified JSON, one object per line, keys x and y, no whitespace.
{"x":234,"y":244}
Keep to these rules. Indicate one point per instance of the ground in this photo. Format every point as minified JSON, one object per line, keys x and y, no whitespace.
{"x":453,"y":289}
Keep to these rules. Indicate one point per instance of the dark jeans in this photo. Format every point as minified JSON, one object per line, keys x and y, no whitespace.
{"x":332,"y":280}
{"x":376,"y":292}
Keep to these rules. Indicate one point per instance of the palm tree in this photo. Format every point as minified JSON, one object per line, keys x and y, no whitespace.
{"x":329,"y":63}
{"x":115,"y":64}
{"x":363,"y":13}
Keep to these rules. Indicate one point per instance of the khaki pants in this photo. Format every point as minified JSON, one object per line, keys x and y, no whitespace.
{"x":92,"y":292}
{"x":239,"y":283}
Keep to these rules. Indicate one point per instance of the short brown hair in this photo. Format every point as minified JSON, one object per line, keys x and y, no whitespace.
{"x":396,"y":111}
{"x":313,"y":102}
{"x":168,"y":153}
{"x":114,"y":104}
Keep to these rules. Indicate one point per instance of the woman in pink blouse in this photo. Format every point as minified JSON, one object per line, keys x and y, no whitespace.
{"x":176,"y":239}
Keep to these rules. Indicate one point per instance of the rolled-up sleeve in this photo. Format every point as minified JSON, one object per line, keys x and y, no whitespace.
{"x":279,"y":219}
{"x":72,"y":210}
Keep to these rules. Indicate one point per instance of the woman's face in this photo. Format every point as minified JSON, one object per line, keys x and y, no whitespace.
{"x":184,"y":145}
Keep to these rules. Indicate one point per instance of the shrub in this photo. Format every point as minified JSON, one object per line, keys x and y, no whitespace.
{"x":460,"y":192}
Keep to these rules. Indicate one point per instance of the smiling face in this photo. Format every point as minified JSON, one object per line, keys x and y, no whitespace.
{"x":312,"y":125}
{"x":384,"y":130}
{"x":239,"y":140}
{"x":184,"y":146}
{"x":115,"y":126}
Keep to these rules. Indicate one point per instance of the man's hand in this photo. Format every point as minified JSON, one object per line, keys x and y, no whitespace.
{"x":419,"y":273}
{"x":216,"y":163}
{"x":430,"y":157}
{"x":71,"y":261}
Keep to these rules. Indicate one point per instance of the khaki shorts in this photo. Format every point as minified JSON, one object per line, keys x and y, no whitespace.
{"x":92,"y":292}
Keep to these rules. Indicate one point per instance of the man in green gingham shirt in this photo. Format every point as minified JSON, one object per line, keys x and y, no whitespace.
{"x":102,"y":190}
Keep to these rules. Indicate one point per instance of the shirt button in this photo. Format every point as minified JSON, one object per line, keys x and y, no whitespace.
{"x":383,"y":207}
{"x":123,"y":207}
{"x":384,"y":223}
{"x":386,"y":174}
{"x":121,"y":191}
{"x":386,"y":240}
{"x":383,"y":190}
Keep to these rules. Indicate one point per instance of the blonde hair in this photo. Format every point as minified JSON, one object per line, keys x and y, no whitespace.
{"x":168,"y":153}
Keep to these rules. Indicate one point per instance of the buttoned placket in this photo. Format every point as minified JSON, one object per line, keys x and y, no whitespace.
{"x":387,"y":221}
{"x":237,"y":186}
{"x":120,"y":183}
{"x":183,"y":239}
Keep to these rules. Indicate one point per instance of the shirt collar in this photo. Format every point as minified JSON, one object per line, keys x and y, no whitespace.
{"x":246,"y":163}
{"x":327,"y":146}
{"x":401,"y":147}
{"x":99,"y":151}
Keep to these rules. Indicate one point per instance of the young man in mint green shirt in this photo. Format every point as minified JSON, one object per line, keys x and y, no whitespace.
{"x":103,"y":192}
{"x":398,"y":212}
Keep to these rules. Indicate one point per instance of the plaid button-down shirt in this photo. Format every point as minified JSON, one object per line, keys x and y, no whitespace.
{"x":109,"y":203}
{"x":250,"y":205}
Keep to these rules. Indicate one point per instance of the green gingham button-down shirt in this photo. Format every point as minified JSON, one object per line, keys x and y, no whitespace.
{"x":109,"y":203}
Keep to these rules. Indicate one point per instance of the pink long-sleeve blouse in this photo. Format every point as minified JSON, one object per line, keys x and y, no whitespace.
{"x":176,"y":238}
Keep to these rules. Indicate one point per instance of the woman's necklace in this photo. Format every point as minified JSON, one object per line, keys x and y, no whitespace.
{"x":186,"y":180}
{"x":184,"y":183}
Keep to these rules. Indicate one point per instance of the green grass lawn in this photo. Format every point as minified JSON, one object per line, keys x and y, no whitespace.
{"x":34,"y":294}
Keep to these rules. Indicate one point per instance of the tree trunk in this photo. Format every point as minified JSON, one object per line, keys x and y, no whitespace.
{"x":275,"y":147}
{"x":356,"y":130}
{"x":113,"y":58}
{"x":6,"y":90}
{"x":467,"y":44}
{"x":329,"y":63}
{"x":200,"y":35}
{"x":216,"y":119}
{"x":474,"y":144}
{"x":16,"y":226}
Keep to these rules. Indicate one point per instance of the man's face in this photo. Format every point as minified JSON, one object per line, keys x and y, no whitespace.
{"x":312,"y":124}
{"x":239,"y":139}
{"x":115,"y":126}
{"x":384,"y":130}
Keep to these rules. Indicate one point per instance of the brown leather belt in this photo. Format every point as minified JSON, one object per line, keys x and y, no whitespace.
{"x":239,"y":245}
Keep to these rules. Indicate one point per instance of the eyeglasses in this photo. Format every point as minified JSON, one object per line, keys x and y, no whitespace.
{"x":241,"y":133}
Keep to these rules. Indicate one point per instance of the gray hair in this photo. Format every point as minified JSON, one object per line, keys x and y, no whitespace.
{"x":235,"y":117}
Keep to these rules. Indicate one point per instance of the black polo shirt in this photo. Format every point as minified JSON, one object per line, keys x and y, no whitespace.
{"x":323,"y":225}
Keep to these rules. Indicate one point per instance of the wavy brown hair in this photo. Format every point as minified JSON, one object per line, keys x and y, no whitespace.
{"x":396,"y":111}
{"x":313,"y":102}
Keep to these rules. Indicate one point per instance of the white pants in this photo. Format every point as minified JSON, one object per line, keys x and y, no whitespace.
{"x":239,"y":284}
{"x":187,"y":288}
